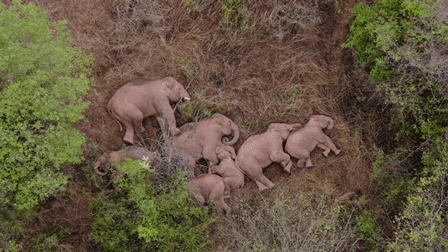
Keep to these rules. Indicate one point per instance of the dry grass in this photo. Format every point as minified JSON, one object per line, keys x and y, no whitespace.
{"x":287,"y":66}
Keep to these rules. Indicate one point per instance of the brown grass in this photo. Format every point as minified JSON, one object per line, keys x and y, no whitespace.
{"x":279,"y":70}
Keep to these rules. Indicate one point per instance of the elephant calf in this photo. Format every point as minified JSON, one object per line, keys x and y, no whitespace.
{"x":233,"y":177}
{"x":209,"y":187}
{"x":107,"y":159}
{"x":259,"y":151}
{"x":300,"y":143}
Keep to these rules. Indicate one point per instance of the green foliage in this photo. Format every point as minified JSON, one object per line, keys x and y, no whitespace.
{"x":281,"y":225}
{"x":197,"y":105}
{"x":421,"y":226}
{"x":148,"y":215}
{"x":42,"y":78}
{"x":234,"y":14}
{"x":365,"y":226}
{"x":402,"y":44}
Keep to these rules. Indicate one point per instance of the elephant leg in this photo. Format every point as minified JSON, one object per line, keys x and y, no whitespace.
{"x":129,"y":135}
{"x":227,"y":182}
{"x":331,"y":145}
{"x":282,"y":158}
{"x":209,"y":153}
{"x":191,"y":165}
{"x":308,"y":164}
{"x":301,"y":162}
{"x":264,"y":181}
{"x":325,"y":148}
{"x":220,"y":202}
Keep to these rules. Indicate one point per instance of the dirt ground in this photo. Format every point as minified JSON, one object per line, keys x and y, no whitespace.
{"x":282,"y":62}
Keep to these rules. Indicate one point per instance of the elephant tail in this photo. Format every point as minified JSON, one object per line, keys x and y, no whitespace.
{"x":239,"y":169}
{"x":97,"y":171}
{"x":111,"y":113}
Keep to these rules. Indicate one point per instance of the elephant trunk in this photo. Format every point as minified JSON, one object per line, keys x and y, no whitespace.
{"x":235,"y":134}
{"x":97,"y":165}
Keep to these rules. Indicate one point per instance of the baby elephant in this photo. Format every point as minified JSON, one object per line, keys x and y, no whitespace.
{"x":300,"y":143}
{"x":207,"y":187}
{"x":107,"y":159}
{"x":233,"y":177}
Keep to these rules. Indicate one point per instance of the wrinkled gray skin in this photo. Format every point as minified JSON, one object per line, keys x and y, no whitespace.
{"x":107,"y":159}
{"x":233,"y":177}
{"x":259,"y":151}
{"x":301,"y":142}
{"x":209,"y":187}
{"x":141,"y":98}
{"x":202,"y":142}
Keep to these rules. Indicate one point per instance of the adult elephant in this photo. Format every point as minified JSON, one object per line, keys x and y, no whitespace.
{"x":200,"y":141}
{"x":141,"y":98}
{"x":300,"y":143}
{"x":259,"y":151}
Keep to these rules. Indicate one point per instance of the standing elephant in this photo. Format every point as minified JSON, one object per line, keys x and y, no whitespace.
{"x":300,"y":143}
{"x":141,"y":98}
{"x":109,"y":158}
{"x":233,"y":177}
{"x":207,"y":187}
{"x":201,"y":141}
{"x":259,"y":151}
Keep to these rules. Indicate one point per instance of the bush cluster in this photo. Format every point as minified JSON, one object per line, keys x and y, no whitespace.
{"x":403,"y":45}
{"x":42,"y":78}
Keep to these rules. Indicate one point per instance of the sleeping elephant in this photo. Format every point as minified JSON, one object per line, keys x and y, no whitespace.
{"x":200,"y":141}
{"x":207,"y":187}
{"x":259,"y":151}
{"x":107,"y":159}
{"x":233,"y":177}
{"x":300,"y":143}
{"x":141,"y":98}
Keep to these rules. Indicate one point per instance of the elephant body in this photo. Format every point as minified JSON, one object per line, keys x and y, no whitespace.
{"x":233,"y":177}
{"x":200,"y":141}
{"x":107,"y":159}
{"x":140,"y":99}
{"x":259,"y":151}
{"x":300,"y":143}
{"x":209,"y":187}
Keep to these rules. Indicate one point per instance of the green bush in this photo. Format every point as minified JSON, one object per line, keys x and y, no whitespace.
{"x":154,"y":212}
{"x":42,"y":78}
{"x":403,"y":44}
{"x":315,"y":224}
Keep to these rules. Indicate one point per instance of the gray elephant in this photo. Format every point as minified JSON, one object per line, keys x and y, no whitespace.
{"x":301,"y":142}
{"x":233,"y":177}
{"x":209,"y":187}
{"x":109,"y":158}
{"x":200,"y":141}
{"x":141,"y":98}
{"x":259,"y":151}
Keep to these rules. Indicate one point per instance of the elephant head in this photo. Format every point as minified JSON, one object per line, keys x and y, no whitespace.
{"x":282,"y":129}
{"x":322,"y":121}
{"x":227,"y":126}
{"x":175,"y":91}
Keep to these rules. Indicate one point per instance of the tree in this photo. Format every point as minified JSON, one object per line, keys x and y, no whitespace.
{"x":42,"y":79}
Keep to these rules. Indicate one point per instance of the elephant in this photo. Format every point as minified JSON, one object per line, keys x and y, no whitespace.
{"x":109,"y":158}
{"x":141,"y":98}
{"x":207,"y":187}
{"x":301,"y":142}
{"x":259,"y":151}
{"x":233,"y":177}
{"x":201,"y":140}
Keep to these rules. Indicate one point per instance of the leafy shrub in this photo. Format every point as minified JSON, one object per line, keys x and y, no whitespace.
{"x":42,"y":77}
{"x":314,"y":225}
{"x":403,"y":44}
{"x":154,"y":212}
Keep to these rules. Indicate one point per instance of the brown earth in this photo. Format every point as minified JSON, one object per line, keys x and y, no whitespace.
{"x":278,"y":69}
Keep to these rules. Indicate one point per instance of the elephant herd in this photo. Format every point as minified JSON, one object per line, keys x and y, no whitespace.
{"x":212,"y":139}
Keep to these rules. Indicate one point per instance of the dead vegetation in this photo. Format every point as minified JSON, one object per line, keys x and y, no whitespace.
{"x":278,"y":61}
